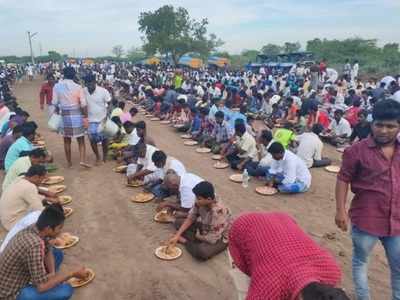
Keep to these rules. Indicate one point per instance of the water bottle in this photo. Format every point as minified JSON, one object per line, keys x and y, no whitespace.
{"x":245,"y":177}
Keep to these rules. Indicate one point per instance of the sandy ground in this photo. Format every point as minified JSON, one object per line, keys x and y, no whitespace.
{"x":118,"y":238}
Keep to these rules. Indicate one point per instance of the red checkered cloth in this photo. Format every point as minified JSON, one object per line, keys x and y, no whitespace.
{"x":280,"y":258}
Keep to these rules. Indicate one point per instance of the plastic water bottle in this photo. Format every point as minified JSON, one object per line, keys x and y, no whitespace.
{"x":245,"y":178}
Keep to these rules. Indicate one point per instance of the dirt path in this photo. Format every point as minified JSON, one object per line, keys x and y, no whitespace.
{"x":118,"y":238}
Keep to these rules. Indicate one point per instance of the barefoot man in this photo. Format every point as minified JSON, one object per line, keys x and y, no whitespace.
{"x":70,"y":102}
{"x":97,"y":99}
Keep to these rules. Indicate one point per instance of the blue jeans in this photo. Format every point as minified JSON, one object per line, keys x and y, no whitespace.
{"x":160,"y":192}
{"x":291,"y":188}
{"x":363,"y":244}
{"x":60,"y":292}
{"x":254,"y":169}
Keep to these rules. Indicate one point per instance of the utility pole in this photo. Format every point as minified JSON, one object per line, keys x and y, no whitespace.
{"x":30,"y":36}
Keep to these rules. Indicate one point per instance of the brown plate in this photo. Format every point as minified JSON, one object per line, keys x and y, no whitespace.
{"x":75,"y":282}
{"x":64,"y":199}
{"x":135,"y":184}
{"x":161,"y":253}
{"x":186,"y":136}
{"x":164,"y":217}
{"x":120,"y":169}
{"x":221,"y":165}
{"x":190,"y":143}
{"x":66,"y":241}
{"x":203,"y":150}
{"x":53,"y":180}
{"x":155,"y":119}
{"x":142,"y":198}
{"x":236,"y":178}
{"x":57,"y":188}
{"x":216,"y":157}
{"x":266,"y":190}
{"x":68,"y":211}
{"x":332,"y":169}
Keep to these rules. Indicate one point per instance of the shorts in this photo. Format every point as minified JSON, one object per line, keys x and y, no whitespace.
{"x":95,"y":136}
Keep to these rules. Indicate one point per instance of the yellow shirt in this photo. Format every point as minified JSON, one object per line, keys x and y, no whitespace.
{"x":247,"y":143}
{"x":21,"y":165}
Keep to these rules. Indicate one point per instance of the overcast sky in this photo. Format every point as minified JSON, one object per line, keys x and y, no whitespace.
{"x":92,"y":28}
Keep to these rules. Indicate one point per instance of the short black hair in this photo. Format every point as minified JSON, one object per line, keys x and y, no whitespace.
{"x":52,"y":216}
{"x":319,"y":291}
{"x":141,"y":125}
{"x":36,"y":170}
{"x":386,"y":110}
{"x":339,"y":111}
{"x":159,"y":156}
{"x":17,"y":129}
{"x":204,"y":189}
{"x":28,"y":130}
{"x":38,"y":153}
{"x":121,"y":104}
{"x":240,"y":127}
{"x":116,"y":120}
{"x":133,"y":111}
{"x":266,"y":135}
{"x":90,"y":78}
{"x":276,"y":148}
{"x":69,"y":73}
{"x":128,"y":125}
{"x":219,"y":114}
{"x":317,"y":128}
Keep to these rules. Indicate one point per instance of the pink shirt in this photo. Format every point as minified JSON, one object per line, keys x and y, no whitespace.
{"x":125,"y":117}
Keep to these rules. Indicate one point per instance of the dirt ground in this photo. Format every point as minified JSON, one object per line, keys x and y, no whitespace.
{"x":118,"y":238}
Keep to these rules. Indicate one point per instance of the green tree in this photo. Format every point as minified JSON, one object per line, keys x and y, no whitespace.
{"x":135,"y":54}
{"x":118,"y":51}
{"x":172,"y":32}
{"x":289,"y":47}
{"x":54,"y":56}
{"x":271,"y":49}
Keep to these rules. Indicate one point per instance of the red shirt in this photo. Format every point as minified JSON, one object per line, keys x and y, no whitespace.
{"x":46,"y":93}
{"x":279,"y":256}
{"x":375,"y":182}
{"x":352,"y":115}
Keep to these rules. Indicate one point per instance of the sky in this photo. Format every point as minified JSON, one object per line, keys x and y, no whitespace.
{"x":92,"y":28}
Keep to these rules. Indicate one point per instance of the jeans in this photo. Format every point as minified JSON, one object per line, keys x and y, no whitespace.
{"x":254,"y":169}
{"x":160,"y":192}
{"x":62,"y":291}
{"x":363,"y":243}
{"x":291,"y":188}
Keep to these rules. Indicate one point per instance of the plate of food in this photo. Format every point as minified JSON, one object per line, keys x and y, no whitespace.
{"x":155,"y":119}
{"x":168,"y":252}
{"x":165,"y":122}
{"x":142,"y":197}
{"x":148,"y":115}
{"x":65,"y":241}
{"x":120,"y":169}
{"x":332,"y":169}
{"x":216,"y":157}
{"x":266,"y":190}
{"x":56,"y":189}
{"x":135,"y":184}
{"x":190,"y":143}
{"x":221,"y":165}
{"x":68,"y":211}
{"x":76,"y":282}
{"x":64,"y":199}
{"x":53,"y":180}
{"x":203,"y":150}
{"x":186,"y":136}
{"x":164,"y":216}
{"x":236,"y":178}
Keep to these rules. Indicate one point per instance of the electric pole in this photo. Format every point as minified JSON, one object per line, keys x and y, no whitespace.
{"x":30,"y":36}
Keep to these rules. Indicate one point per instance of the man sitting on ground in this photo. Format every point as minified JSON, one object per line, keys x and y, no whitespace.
{"x":29,"y":265}
{"x":288,"y":172}
{"x":220,"y":135}
{"x":7,"y":141}
{"x":339,"y":130}
{"x":144,"y":165}
{"x":183,"y":187}
{"x":260,"y":167}
{"x":204,"y":232}
{"x":22,"y":197}
{"x":310,"y":148}
{"x":22,"y":165}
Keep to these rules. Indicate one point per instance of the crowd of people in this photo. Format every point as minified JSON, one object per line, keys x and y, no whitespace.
{"x":267,"y":125}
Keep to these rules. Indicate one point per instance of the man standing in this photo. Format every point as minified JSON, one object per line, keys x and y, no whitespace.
{"x":70,"y":102}
{"x":46,"y":94}
{"x":97,"y":99}
{"x":372,"y":168}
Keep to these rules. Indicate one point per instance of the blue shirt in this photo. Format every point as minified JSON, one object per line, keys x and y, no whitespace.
{"x":236,"y":116}
{"x":13,"y":153}
{"x":196,"y":124}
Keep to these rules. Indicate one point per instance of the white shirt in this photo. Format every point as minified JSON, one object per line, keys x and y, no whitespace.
{"x":188,"y":182}
{"x":293,"y":169}
{"x":310,"y":148}
{"x":26,"y":221}
{"x":174,"y":164}
{"x":68,"y":94}
{"x":133,"y":138}
{"x":266,"y":157}
{"x":97,"y":104}
{"x":146,"y":161}
{"x":396,"y":96}
{"x":341,"y":128}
